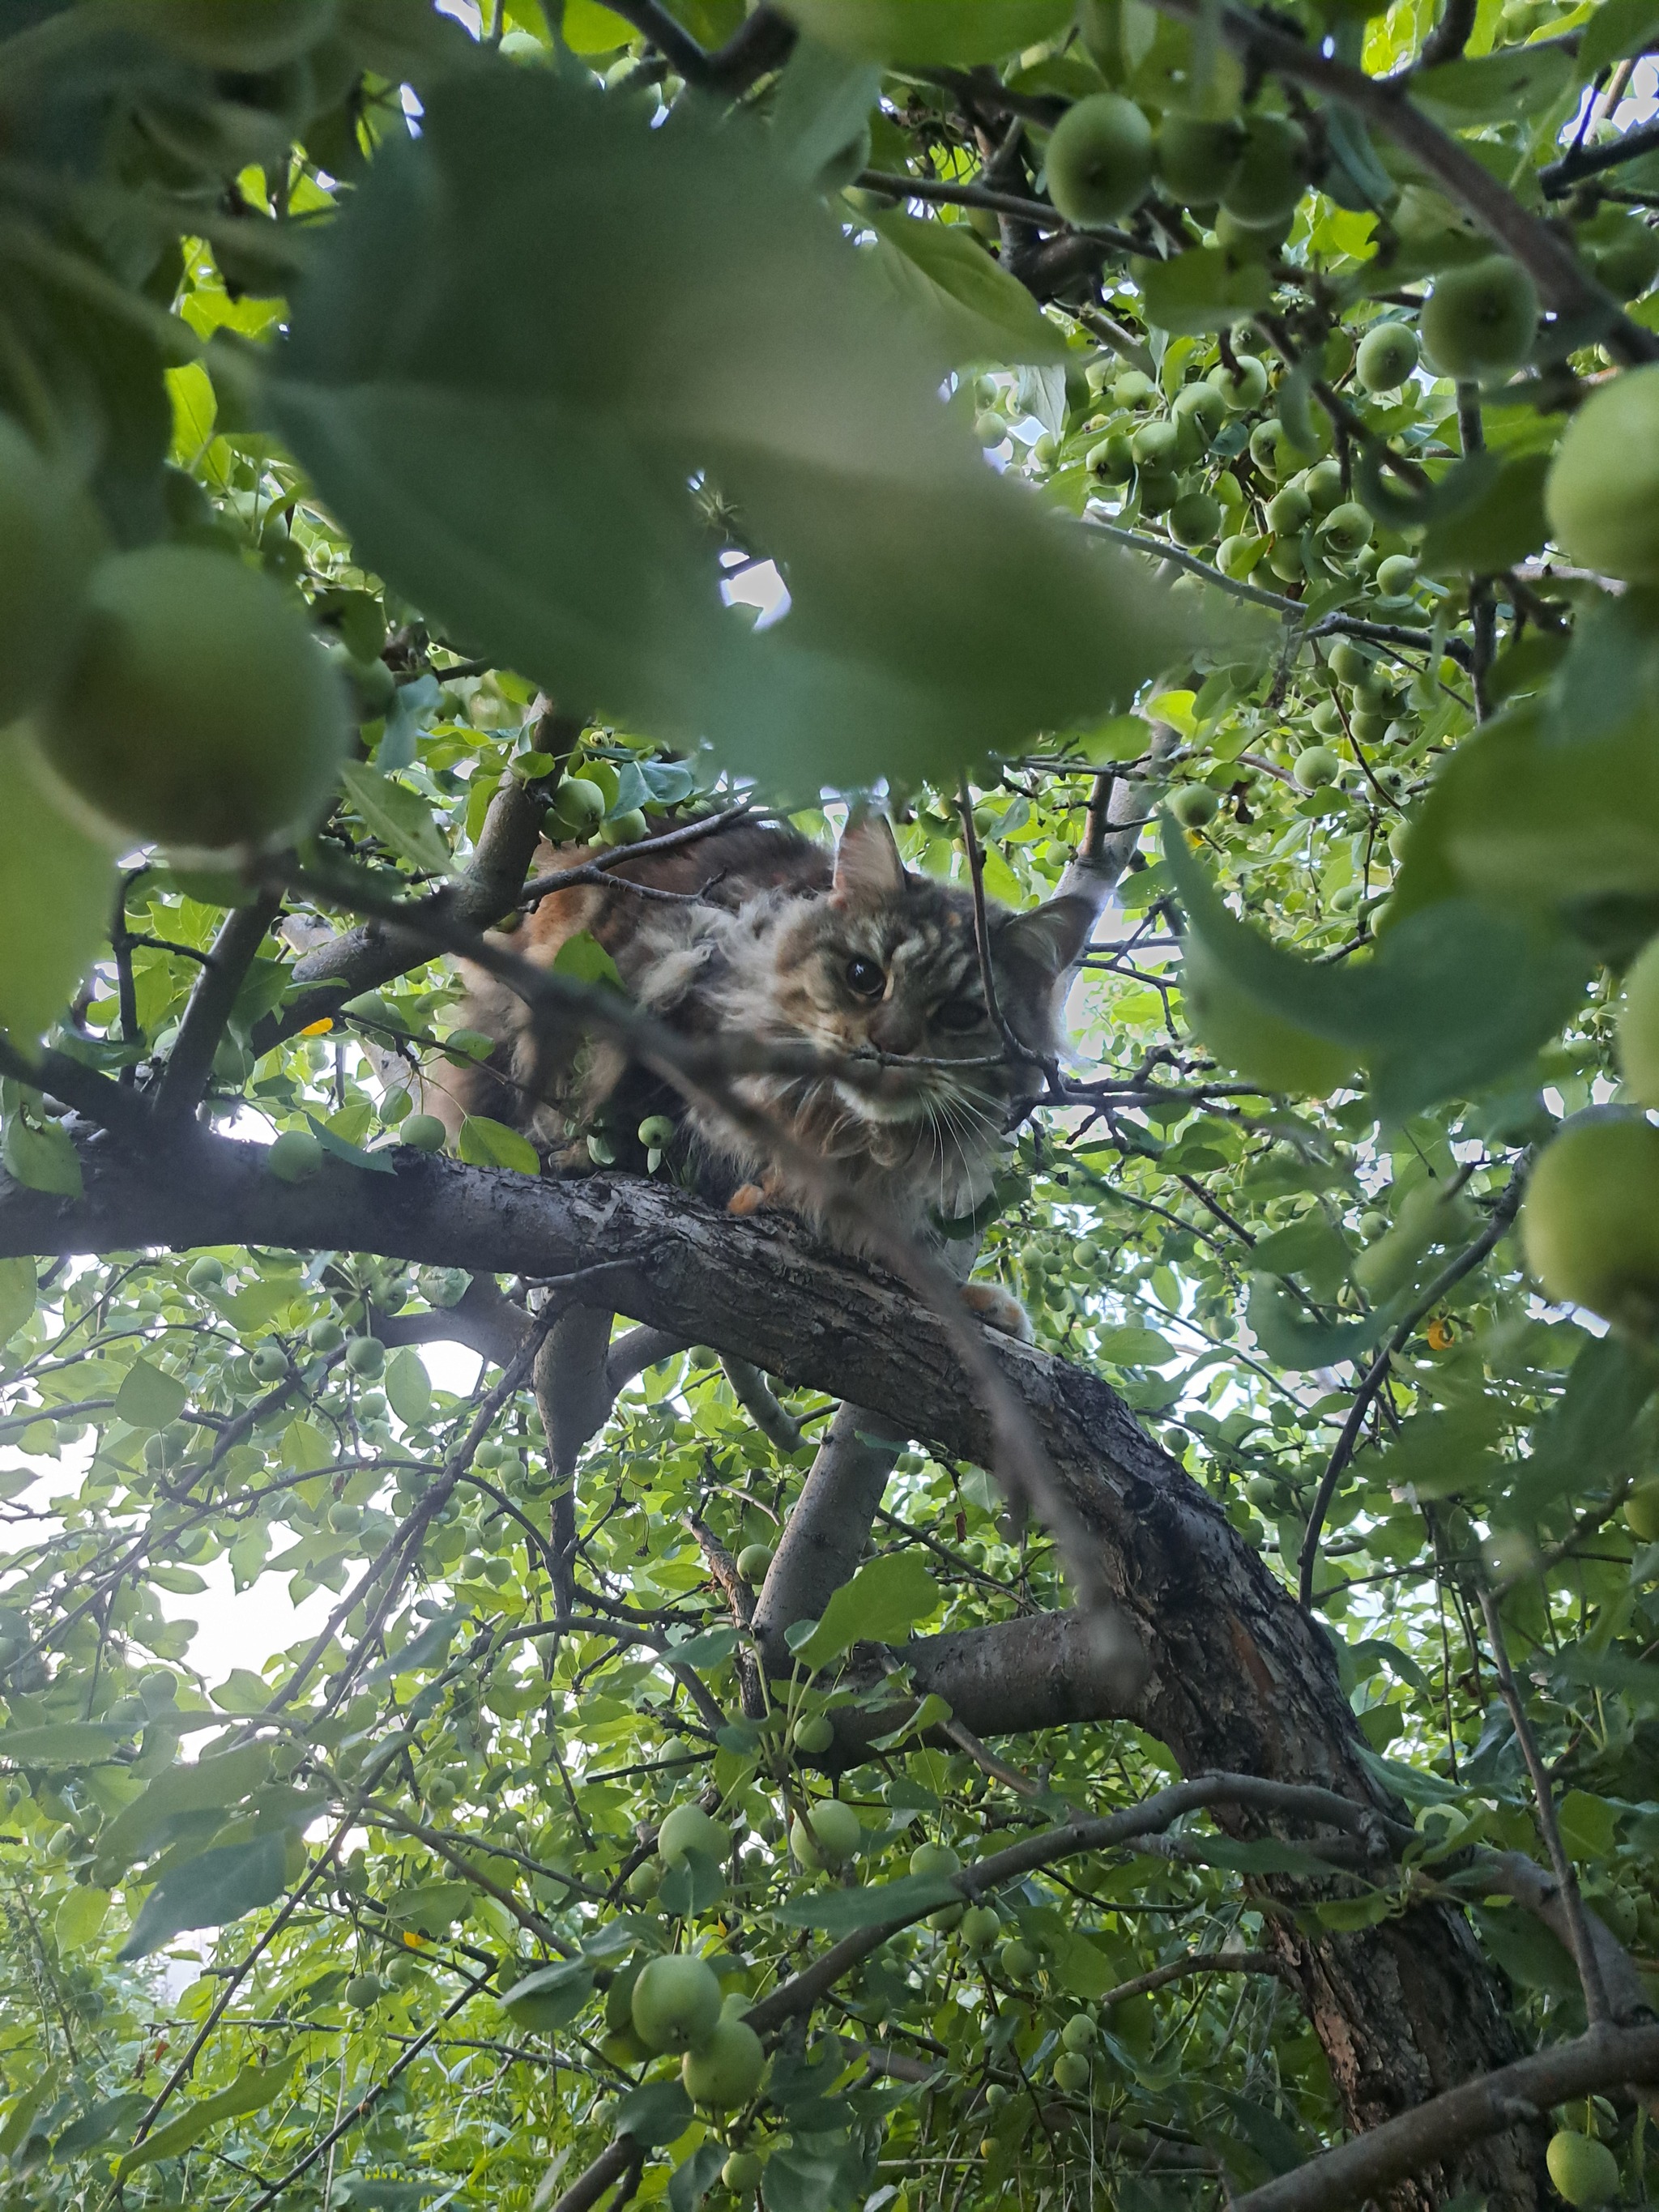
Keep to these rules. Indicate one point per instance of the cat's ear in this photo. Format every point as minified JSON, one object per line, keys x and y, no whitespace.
{"x":868,"y":869}
{"x":1051,"y":937}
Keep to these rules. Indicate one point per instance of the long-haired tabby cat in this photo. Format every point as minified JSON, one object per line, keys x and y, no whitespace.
{"x":773,"y":938}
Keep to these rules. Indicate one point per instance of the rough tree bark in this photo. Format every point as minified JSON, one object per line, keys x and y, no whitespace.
{"x":1240,"y":1677}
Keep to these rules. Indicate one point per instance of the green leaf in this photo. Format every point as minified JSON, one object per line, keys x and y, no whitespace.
{"x":530,"y":489}
{"x":242,"y":1692}
{"x":585,"y":960}
{"x":694,"y":2176}
{"x":216,"y":1886}
{"x":399,"y":817}
{"x":342,"y":1149}
{"x":1488,"y":87}
{"x":42,"y":1157}
{"x":59,"y":1744}
{"x":79,"y":1918}
{"x":408,"y":1387}
{"x":486,"y":1144}
{"x":1282,"y":1328}
{"x":148,"y":1399}
{"x":1588,"y":1825}
{"x":551,"y":1996}
{"x":961,"y":32}
{"x":106,"y":2122}
{"x":836,"y":1911}
{"x":253,"y":2090}
{"x":57,"y":893}
{"x":1456,"y":995}
{"x":1618,"y":27}
{"x":820,"y":106}
{"x":16,"y":1296}
{"x":1082,"y":1968}
{"x":1498,"y":524}
{"x":212,"y":1784}
{"x":589,"y":28}
{"x":971,"y":309}
{"x":430,"y":1908}
{"x":1132,"y":1346}
{"x":1204,"y":289}
{"x":880,"y":1605}
{"x":653,"y":2114}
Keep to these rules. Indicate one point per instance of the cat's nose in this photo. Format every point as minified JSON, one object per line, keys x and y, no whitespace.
{"x":895,"y":1028}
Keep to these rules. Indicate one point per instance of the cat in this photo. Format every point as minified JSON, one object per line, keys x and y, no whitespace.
{"x":773,"y":938}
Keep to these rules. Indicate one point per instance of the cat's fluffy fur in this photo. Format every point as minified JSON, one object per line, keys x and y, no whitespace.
{"x":856,"y":957}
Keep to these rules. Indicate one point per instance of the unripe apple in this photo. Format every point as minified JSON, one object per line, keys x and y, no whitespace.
{"x":1202,"y":406}
{"x":1133,"y":389}
{"x":1602,"y":493}
{"x":1323,"y":484}
{"x":1100,"y":159}
{"x":363,"y":1990}
{"x":1638,"y":1027}
{"x":1243,"y":386}
{"x":1479,"y":320}
{"x":1642,"y":1511}
{"x":1396,"y":574}
{"x":812,"y":1734}
{"x":1388,"y":355}
{"x":1194,"y":805}
{"x":1630,"y":263}
{"x":1018,"y":1960}
{"x":1072,"y":2073}
{"x":1155,"y":445}
{"x":48,"y":543}
{"x":1237,"y":555}
{"x":676,"y":2002}
{"x":989,"y":428}
{"x":1196,"y":519}
{"x":295,"y":1156}
{"x":1112,"y":460}
{"x":1288,"y":510}
{"x":1158,"y":490}
{"x":1589,"y":1223}
{"x":935,"y":1858}
{"x":577,"y":807}
{"x":656,"y":1133}
{"x":833,"y":1839}
{"x":979,"y":1927}
{"x":1268,"y":177}
{"x":1316,"y":768}
{"x":742,"y":2172}
{"x":366,"y":1357}
{"x":269,"y":1363}
{"x":207,"y":1273}
{"x":626,"y":828}
{"x":1195,"y":157}
{"x":199,"y":710}
{"x":1079,"y":2032}
{"x":422,"y":1133}
{"x":1585,"y":2172}
{"x":645,"y":1882}
{"x":725,"y":2070}
{"x":1345,"y":529}
{"x":689,"y":1829}
{"x":753,"y":1563}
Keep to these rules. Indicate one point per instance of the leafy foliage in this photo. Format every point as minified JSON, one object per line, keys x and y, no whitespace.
{"x":521,"y":364}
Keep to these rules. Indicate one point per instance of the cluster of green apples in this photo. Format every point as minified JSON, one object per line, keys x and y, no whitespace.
{"x":175,"y":695}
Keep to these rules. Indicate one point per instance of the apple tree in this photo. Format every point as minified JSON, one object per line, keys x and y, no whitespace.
{"x":708,"y":1723}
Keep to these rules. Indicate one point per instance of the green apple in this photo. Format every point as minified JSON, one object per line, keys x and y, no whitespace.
{"x":989,"y":428}
{"x":724,"y":2071}
{"x":1195,"y":157}
{"x":1288,"y":510}
{"x":48,"y":543}
{"x":689,"y":1828}
{"x":366,"y":1357}
{"x":812,"y":1734}
{"x":625,"y":828}
{"x":753,"y":1563}
{"x":1196,"y":519}
{"x":1079,"y":2032}
{"x":1271,"y":171}
{"x":577,"y":808}
{"x":1584,"y":2171}
{"x":1201,"y":407}
{"x":1642,"y":1511}
{"x":1194,"y":805}
{"x":833,"y":1840}
{"x":1018,"y":1959}
{"x":363,"y":1990}
{"x":1099,"y":163}
{"x":1347,"y":528}
{"x":1323,"y":484}
{"x":1072,"y":2073}
{"x":674,"y":2004}
{"x":742,"y":2172}
{"x":1134,"y":388}
{"x":199,"y":710}
{"x":206,"y":1273}
{"x":424,"y":1132}
{"x":1316,"y":767}
{"x":935,"y":1858}
{"x":1395,"y":575}
{"x":1480,"y":319}
{"x":1244,"y":386}
{"x":1388,"y":353}
{"x":1156,"y":444}
{"x":295,"y":1156}
{"x":1602,"y":492}
{"x":1237,"y":555}
{"x":1589,"y":1222}
{"x":1112,"y":460}
{"x":979,"y":1927}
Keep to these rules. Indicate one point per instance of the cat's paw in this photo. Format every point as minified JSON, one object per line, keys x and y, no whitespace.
{"x":748,"y":1198}
{"x":997,"y":1308}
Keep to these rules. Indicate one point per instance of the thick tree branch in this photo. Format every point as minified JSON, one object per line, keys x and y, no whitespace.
{"x":824,"y":1536}
{"x":1434,"y":2133}
{"x":190,"y":1064}
{"x":750,"y":1387}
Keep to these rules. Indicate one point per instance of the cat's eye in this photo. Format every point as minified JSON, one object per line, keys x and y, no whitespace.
{"x":960,"y":1014}
{"x":865,"y":976}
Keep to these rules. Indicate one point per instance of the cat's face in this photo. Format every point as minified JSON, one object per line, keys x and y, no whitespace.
{"x":886,"y":967}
